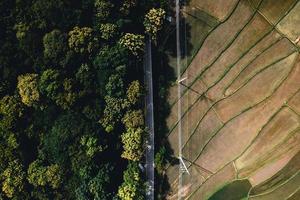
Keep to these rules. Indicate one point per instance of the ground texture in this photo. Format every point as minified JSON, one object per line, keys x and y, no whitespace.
{"x":241,"y":103}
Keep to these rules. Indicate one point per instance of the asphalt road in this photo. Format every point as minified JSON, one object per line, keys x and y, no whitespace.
{"x":149,"y":121}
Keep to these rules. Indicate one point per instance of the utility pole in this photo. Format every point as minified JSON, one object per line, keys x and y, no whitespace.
{"x":178,"y":52}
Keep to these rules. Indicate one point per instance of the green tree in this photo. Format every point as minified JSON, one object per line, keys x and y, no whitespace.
{"x":36,"y":174}
{"x":39,"y":175}
{"x":102,"y":9}
{"x":13,"y":179}
{"x":132,"y":188}
{"x":67,"y":97}
{"x":21,"y":30}
{"x":95,"y":185}
{"x":64,"y":133}
{"x":134,"y":92}
{"x":112,"y":113}
{"x":160,"y":161}
{"x":91,"y":146}
{"x":55,"y":46}
{"x":81,"y":39}
{"x":108,"y":31}
{"x":58,"y":90}
{"x":49,"y":83}
{"x":115,"y":86}
{"x":11,"y":106}
{"x":132,"y":141}
{"x":133,"y":119}
{"x":28,"y":89}
{"x":54,"y":175}
{"x":127,"y":5}
{"x":85,"y":75}
{"x":153,"y":21}
{"x":133,"y":42}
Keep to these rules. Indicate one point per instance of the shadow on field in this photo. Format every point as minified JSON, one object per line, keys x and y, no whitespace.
{"x":164,"y":77}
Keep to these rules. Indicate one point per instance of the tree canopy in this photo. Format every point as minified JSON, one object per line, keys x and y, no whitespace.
{"x":71,"y":98}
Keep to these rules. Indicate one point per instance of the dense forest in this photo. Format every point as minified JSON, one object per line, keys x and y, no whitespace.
{"x":72,"y":97}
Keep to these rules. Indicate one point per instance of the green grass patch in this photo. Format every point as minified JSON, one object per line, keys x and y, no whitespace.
{"x":235,"y":190}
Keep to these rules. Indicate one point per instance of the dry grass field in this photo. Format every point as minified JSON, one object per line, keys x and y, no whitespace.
{"x":241,"y":104}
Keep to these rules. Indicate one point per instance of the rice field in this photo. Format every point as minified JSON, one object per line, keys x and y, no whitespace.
{"x":241,"y":104}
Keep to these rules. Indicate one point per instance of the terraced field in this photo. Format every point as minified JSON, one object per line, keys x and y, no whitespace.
{"x":241,"y":102}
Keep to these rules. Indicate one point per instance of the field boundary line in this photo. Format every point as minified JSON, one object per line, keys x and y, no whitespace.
{"x":203,"y":95}
{"x":292,"y":109}
{"x":271,"y":94}
{"x":225,"y":48}
{"x":202,"y":168}
{"x":279,"y":20}
{"x":232,"y":82}
{"x":208,"y":34}
{"x":292,"y":68}
{"x":188,"y":197}
{"x":273,"y":28}
{"x":276,"y":187}
{"x":228,"y":163}
{"x":290,"y":135}
{"x":291,"y":195}
{"x":246,"y":109}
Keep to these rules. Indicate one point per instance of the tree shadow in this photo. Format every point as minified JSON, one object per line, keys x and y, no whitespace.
{"x":164,"y":77}
{"x":194,"y":27}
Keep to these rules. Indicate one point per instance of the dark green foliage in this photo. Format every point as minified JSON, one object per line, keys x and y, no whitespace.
{"x":50,"y":83}
{"x":61,"y":91}
{"x":55,"y":46}
{"x":160,"y":159}
{"x":11,"y":110}
{"x":115,"y":86}
{"x":13,"y":179}
{"x":102,"y":10}
{"x":62,"y":71}
{"x":28,"y":89}
{"x":94,"y":185}
{"x":39,"y":175}
{"x":133,"y":187}
{"x":133,"y":119}
{"x":65,"y":131}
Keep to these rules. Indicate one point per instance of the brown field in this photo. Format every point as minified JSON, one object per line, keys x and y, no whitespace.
{"x":217,"y":41}
{"x":218,"y":90}
{"x":246,"y":126}
{"x":268,"y":171}
{"x":256,"y":90}
{"x":267,"y":58}
{"x":202,"y":134}
{"x":294,"y":103}
{"x":218,"y":9}
{"x":290,"y":24}
{"x":275,"y":132}
{"x":273,"y":10}
{"x":241,"y":109}
{"x":280,"y":177}
{"x":216,"y":181}
{"x":282,"y":191}
{"x":255,"y":30}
